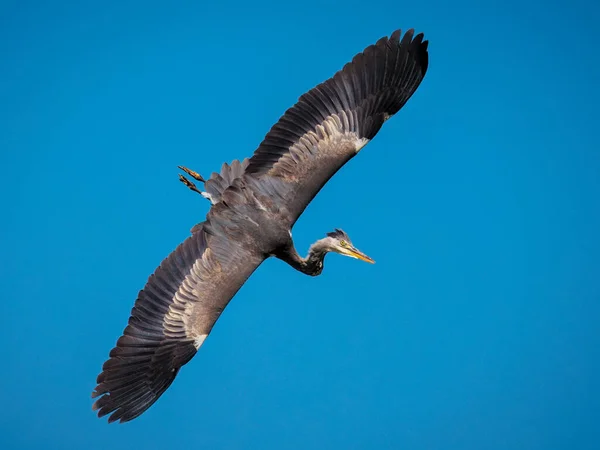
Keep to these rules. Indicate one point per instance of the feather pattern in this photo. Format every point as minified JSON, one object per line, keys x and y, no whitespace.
{"x":172,"y":315}
{"x":330,"y":123}
{"x":219,"y":182}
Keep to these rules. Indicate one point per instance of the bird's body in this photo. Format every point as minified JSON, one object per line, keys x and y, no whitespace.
{"x":255,"y":204}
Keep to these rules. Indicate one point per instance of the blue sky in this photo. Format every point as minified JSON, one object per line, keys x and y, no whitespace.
{"x":476,"y":329}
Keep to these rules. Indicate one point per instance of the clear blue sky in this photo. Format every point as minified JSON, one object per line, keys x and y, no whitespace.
{"x":476,"y":329}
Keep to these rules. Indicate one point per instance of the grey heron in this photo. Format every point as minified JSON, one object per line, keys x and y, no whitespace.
{"x":255,"y":204}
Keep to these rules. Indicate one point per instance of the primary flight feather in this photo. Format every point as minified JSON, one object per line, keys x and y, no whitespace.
{"x":255,"y":204}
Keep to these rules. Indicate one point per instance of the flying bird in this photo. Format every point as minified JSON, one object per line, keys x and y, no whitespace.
{"x":255,"y":204}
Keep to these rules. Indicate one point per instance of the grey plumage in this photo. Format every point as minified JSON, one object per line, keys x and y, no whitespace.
{"x":218,"y":182}
{"x":255,"y":204}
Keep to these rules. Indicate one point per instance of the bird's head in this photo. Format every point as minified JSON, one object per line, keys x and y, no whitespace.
{"x":338,"y":241}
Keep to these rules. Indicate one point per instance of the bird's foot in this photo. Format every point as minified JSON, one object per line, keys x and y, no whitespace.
{"x":189,"y":184}
{"x":192,"y":174}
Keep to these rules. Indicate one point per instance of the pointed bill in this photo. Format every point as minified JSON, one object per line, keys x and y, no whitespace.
{"x":353,"y":252}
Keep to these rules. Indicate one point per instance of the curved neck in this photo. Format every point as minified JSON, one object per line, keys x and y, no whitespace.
{"x":311,"y":265}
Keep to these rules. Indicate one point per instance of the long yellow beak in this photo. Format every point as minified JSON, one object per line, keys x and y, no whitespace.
{"x":355,"y":253}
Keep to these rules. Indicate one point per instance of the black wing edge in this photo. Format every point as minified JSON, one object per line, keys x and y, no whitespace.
{"x":375,"y":84}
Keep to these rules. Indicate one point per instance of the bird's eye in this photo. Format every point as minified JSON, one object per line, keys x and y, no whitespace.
{"x":343,"y":243}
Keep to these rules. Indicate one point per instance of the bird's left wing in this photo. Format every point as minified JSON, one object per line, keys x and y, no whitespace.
{"x":334,"y":120}
{"x":172,"y":316}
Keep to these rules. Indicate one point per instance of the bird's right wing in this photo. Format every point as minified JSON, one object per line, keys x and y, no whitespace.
{"x":334,"y":120}
{"x":171,"y":317}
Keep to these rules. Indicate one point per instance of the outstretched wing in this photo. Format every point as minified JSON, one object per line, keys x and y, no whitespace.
{"x":333,"y":121}
{"x":172,"y":316}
